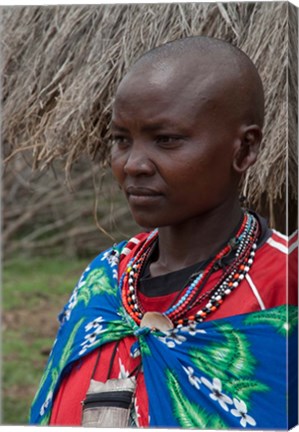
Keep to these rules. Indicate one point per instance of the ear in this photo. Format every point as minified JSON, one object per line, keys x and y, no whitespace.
{"x":247,"y":148}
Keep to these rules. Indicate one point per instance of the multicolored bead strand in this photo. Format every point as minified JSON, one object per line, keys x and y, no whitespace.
{"x":245,"y":244}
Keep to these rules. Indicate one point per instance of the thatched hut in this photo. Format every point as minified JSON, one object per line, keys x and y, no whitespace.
{"x":60,"y":68}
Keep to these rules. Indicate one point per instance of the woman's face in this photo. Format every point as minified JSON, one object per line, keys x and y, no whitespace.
{"x":173,"y":147}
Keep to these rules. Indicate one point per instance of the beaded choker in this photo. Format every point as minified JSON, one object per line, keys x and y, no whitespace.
{"x":242,"y":246}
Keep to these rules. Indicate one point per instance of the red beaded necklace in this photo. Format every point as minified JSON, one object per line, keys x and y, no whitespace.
{"x":244,"y":244}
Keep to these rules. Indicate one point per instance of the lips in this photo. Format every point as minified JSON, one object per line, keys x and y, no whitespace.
{"x":141,"y":191}
{"x":141,"y":195}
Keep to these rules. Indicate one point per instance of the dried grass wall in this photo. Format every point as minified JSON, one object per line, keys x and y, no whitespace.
{"x":60,"y":69}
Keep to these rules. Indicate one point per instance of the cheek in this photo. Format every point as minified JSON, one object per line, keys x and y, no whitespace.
{"x":185,"y":172}
{"x":117,"y":166}
{"x":205,"y":178}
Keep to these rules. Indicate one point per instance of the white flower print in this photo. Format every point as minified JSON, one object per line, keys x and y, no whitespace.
{"x":87,"y":344}
{"x":95,"y":324}
{"x":217,"y":394}
{"x":66,"y":315}
{"x":177,"y":337}
{"x":82,"y":281}
{"x":115,"y":274}
{"x":240,"y":410}
{"x":194,"y":380}
{"x":74,"y":297}
{"x":70,"y":306}
{"x":173,"y":338}
{"x":112,"y":256}
{"x":170,"y":343}
{"x":85,"y":348}
{"x":73,"y":300}
{"x":46,"y":403}
{"x":191,"y":329}
{"x":91,"y":338}
{"x":135,"y":350}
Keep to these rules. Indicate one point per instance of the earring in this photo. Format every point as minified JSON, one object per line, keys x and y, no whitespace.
{"x":242,"y":199}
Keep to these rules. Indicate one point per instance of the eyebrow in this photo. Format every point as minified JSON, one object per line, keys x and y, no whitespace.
{"x":148,"y":128}
{"x":119,"y":128}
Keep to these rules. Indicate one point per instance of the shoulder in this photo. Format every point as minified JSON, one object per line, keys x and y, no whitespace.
{"x":131,"y":247}
{"x":115,"y":256}
{"x":280,"y":245}
{"x":274,"y":272}
{"x":99,"y":276}
{"x":276,"y":253}
{"x":119,"y":254}
{"x":133,"y":244}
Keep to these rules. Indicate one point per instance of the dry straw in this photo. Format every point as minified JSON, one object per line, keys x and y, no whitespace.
{"x":61,"y":66}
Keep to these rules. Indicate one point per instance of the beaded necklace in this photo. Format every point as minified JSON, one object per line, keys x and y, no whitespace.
{"x":243,"y":244}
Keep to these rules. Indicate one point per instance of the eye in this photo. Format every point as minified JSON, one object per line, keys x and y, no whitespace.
{"x":120,"y":141}
{"x":169,"y":140}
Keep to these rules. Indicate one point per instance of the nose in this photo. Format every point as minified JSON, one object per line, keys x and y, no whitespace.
{"x":138,"y":162}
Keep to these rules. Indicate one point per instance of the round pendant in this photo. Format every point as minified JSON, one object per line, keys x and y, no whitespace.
{"x":156,"y":320}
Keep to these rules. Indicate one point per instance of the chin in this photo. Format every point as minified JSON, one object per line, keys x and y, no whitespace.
{"x":146,"y":220}
{"x":145,"y":224}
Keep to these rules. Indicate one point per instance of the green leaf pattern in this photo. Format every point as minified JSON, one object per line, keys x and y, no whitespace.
{"x":230,"y":361}
{"x":189,"y":414}
{"x":227,"y":361}
{"x":284,"y":320}
{"x":232,"y":357}
{"x":96,"y":282}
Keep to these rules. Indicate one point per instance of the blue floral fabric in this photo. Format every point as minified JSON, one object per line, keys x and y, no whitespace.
{"x":227,"y":373}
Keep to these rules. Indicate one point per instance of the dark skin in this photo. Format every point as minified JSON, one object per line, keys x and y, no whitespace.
{"x":181,"y":143}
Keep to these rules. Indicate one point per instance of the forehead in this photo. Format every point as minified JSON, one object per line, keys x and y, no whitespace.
{"x":176,"y":89}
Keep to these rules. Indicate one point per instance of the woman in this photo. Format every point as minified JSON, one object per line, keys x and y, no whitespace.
{"x":185,"y":324}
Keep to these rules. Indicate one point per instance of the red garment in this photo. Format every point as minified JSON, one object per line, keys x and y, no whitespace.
{"x":274,"y":269}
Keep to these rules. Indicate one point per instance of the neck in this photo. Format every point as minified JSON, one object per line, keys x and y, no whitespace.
{"x":196,"y":240}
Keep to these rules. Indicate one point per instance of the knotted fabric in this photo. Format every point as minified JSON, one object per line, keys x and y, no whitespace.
{"x":237,"y":372}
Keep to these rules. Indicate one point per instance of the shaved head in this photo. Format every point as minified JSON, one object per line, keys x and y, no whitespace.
{"x":198,"y":61}
{"x":187,"y":117}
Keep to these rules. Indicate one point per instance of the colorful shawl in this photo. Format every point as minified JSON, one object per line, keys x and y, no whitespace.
{"x":227,"y":373}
